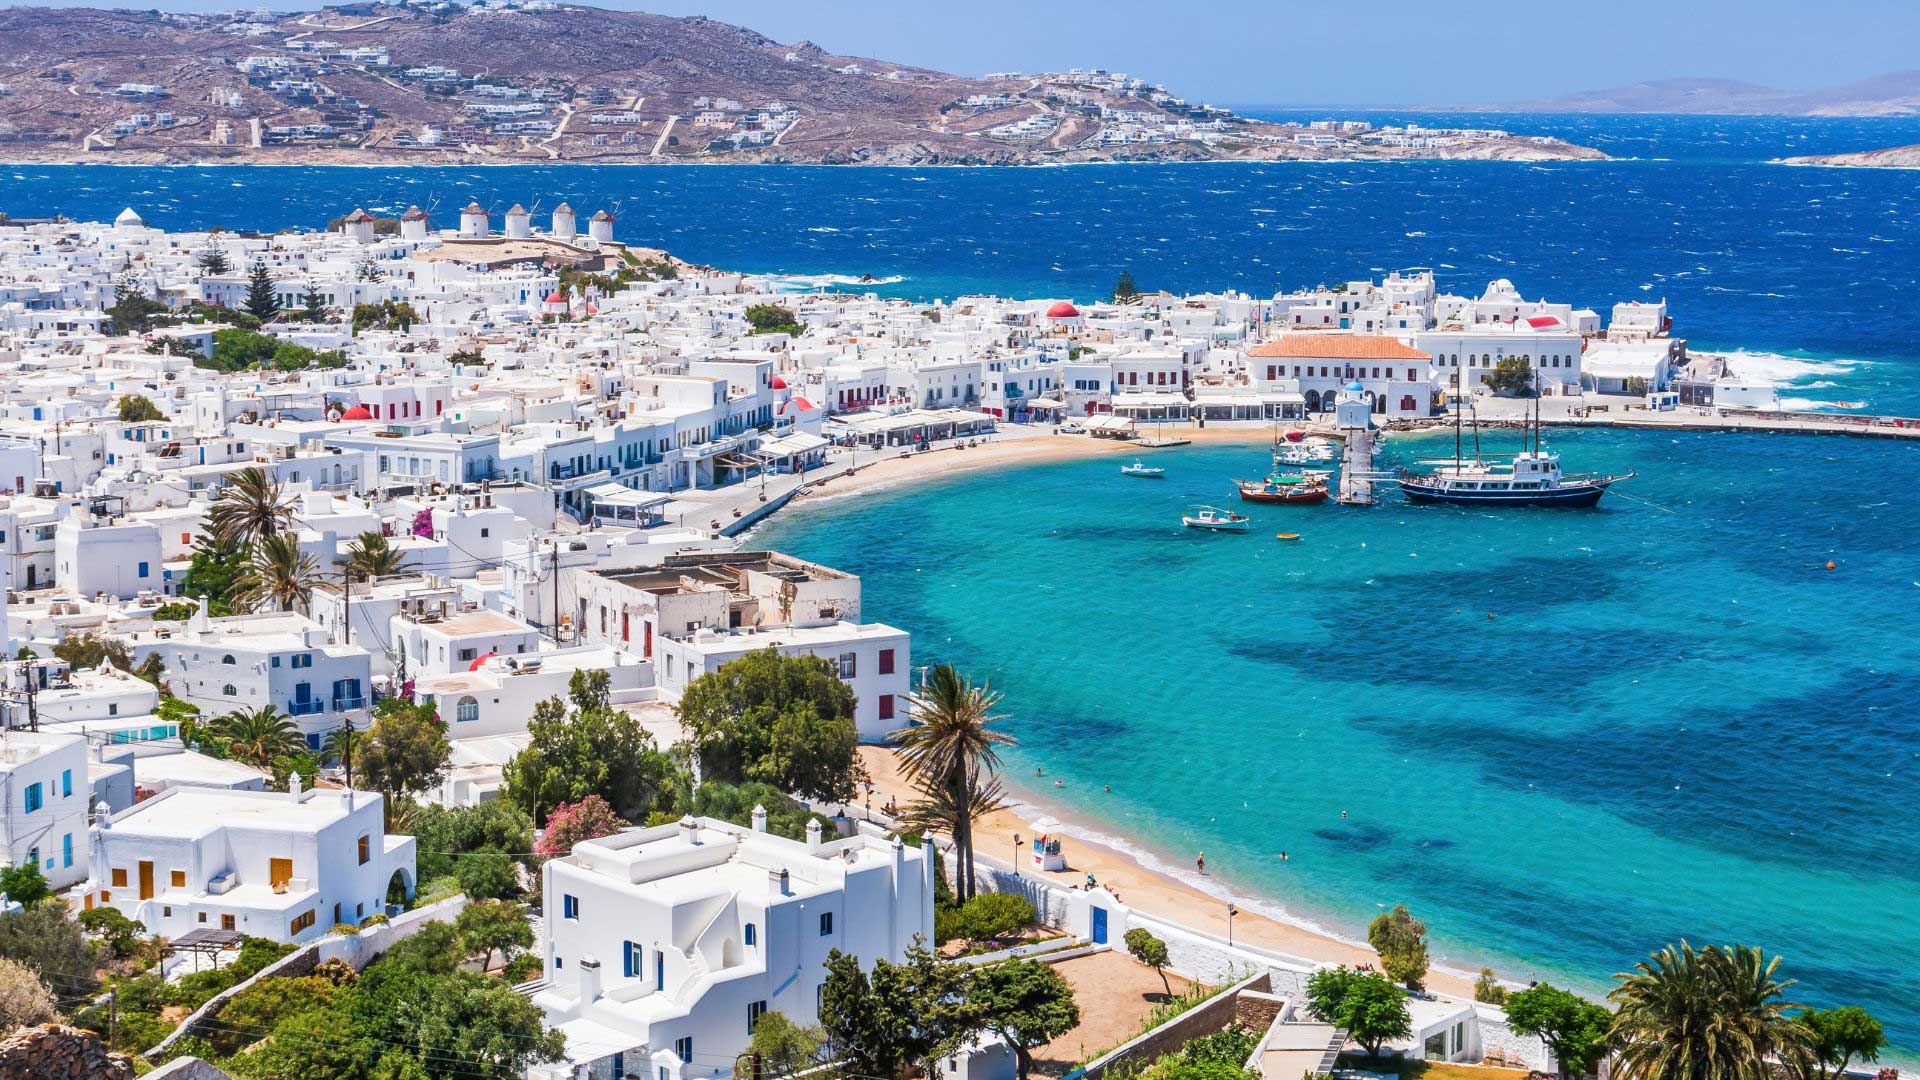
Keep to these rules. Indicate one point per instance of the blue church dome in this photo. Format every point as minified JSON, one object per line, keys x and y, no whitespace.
{"x":1354,"y":387}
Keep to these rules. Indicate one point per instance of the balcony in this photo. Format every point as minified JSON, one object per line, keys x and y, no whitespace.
{"x":306,"y":708}
{"x":347,"y":704}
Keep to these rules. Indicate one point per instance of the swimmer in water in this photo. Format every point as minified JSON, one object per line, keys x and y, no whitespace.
{"x":1283,"y":856}
{"x":1200,"y":862}
{"x":1108,"y":788}
{"x":1343,"y":815}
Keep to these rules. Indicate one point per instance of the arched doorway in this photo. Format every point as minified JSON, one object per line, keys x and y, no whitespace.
{"x":1313,"y":401}
{"x":400,"y":887}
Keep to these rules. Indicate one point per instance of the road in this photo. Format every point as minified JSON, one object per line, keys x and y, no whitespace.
{"x":661,"y":142}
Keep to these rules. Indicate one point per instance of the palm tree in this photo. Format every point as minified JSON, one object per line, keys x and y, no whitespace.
{"x":1713,"y":1014}
{"x":257,"y":736}
{"x":281,"y":577}
{"x":371,"y":556}
{"x":950,"y":746}
{"x":933,"y":810}
{"x":250,"y":507}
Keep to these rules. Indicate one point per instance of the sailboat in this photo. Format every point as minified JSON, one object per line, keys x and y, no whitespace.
{"x":1532,"y":478}
{"x":1298,"y":487}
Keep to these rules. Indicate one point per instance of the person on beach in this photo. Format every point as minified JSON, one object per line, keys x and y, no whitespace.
{"x":1200,"y":862}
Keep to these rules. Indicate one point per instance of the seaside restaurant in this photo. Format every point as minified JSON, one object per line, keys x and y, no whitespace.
{"x":614,"y":504}
{"x":910,"y":428}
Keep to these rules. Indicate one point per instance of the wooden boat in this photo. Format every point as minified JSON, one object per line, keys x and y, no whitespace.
{"x":1214,"y":519}
{"x":1284,"y":488}
{"x":1140,"y":468}
{"x":1286,"y":536}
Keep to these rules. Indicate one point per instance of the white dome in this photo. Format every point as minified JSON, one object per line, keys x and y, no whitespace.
{"x":128,"y":219}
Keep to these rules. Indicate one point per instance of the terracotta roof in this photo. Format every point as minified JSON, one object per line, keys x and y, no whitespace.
{"x":1542,"y":322}
{"x":1337,"y":347}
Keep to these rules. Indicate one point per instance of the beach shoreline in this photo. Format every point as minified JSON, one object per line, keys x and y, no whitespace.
{"x":1122,"y":865}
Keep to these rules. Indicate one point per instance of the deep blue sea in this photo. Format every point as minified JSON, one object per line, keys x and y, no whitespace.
{"x":1563,"y":739}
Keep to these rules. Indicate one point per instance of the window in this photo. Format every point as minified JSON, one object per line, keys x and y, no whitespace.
{"x":886,"y":706}
{"x":229,"y":691}
{"x":303,"y":660}
{"x":35,"y":798}
{"x":886,"y":661}
{"x":619,"y":1065}
{"x":66,"y":850}
{"x":467,"y":709}
{"x":632,"y":960}
{"x":659,"y":971}
{"x":300,"y":922}
{"x":66,"y":783}
{"x":228,"y":659}
{"x":177,"y":879}
{"x":846,"y":665}
{"x":366,"y":848}
{"x":684,"y":1048}
{"x":750,"y":934}
{"x":826,"y":923}
{"x":755,"y":1010}
{"x":143,"y":570}
{"x":569,"y":907}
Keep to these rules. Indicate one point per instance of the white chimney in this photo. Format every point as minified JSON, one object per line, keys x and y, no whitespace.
{"x":759,"y":819}
{"x":293,"y":786}
{"x":589,"y":979}
{"x":813,"y":834}
{"x":690,"y":830}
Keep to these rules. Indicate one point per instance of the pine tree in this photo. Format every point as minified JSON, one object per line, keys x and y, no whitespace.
{"x":262,"y":303}
{"x":314,"y":305}
{"x":1124,"y":290}
{"x":214,"y":261}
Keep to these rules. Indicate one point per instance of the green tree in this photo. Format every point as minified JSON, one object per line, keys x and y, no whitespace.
{"x":783,"y":1046}
{"x":898,"y":1014}
{"x":780,"y":720}
{"x":484,"y":876}
{"x":279,"y":577}
{"x":250,"y":507}
{"x":217,"y":564}
{"x":371,"y":555}
{"x":133,"y":311}
{"x":264,"y":1005}
{"x":120,"y":935}
{"x":1366,"y":1003}
{"x":1124,"y":290}
{"x":1574,"y":1028}
{"x":1150,"y":951}
{"x":1401,"y":941}
{"x":989,"y":916}
{"x":594,"y":750}
{"x":90,"y":650}
{"x":490,"y":926}
{"x":1487,"y":988}
{"x":951,"y":745}
{"x":45,"y":937}
{"x":313,"y":305}
{"x":1716,"y":1013}
{"x":24,"y":883}
{"x":1835,"y":1038}
{"x":214,"y":261}
{"x":262,"y":301}
{"x":1511,"y":375}
{"x":405,"y":752}
{"x":773,"y":319}
{"x":445,"y":834}
{"x":138,"y":408}
{"x":1025,"y":1002}
{"x":258,"y":736}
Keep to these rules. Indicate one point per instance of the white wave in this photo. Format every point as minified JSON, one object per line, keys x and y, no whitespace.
{"x":1774,"y":369}
{"x":803,"y":282}
{"x":1800,"y":404}
{"x":823,"y":229}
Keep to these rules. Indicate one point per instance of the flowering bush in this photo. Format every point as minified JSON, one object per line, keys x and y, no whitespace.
{"x":570,"y":823}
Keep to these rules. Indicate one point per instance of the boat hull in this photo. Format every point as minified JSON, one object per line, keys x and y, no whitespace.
{"x":1581,"y":497}
{"x":1257,"y":494}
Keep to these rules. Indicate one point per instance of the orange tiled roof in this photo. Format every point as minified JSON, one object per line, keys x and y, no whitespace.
{"x":1337,"y":347}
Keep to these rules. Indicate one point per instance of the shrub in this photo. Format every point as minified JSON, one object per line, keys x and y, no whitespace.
{"x":522,"y":968}
{"x":986,"y":917}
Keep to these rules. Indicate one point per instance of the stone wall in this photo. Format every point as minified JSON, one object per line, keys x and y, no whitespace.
{"x":1215,"y":1014}
{"x":56,"y":1052}
{"x":1254,"y":1010}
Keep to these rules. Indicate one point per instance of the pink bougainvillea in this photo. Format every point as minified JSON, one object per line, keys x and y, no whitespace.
{"x":570,"y":823}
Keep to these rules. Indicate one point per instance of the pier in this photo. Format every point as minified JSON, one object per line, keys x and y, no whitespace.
{"x":1694,"y":419}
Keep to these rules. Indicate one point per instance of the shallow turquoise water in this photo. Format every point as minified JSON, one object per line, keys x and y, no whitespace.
{"x":1563,"y":738}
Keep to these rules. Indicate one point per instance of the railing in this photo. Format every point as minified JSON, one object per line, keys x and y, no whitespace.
{"x":306,"y":708}
{"x":342,"y":704}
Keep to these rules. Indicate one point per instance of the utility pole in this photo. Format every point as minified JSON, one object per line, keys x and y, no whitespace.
{"x":553,"y":571}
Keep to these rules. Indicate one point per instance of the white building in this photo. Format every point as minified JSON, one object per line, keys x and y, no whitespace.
{"x":280,"y":865}
{"x":43,"y":782}
{"x":665,"y":945}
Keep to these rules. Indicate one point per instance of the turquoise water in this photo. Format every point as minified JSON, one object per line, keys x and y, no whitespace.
{"x":1563,"y":738}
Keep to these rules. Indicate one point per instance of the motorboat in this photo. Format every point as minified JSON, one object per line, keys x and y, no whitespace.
{"x":1141,"y":468}
{"x":1215,"y":519}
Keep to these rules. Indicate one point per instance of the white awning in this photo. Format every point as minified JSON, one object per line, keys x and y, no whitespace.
{"x":611,"y":494}
{"x":800,"y":442}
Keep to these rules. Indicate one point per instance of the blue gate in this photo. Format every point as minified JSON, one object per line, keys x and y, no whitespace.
{"x":1099,"y":926}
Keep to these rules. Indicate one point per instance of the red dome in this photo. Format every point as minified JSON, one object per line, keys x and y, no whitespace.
{"x":779,"y":383}
{"x":1063,"y":310}
{"x":555,"y":298}
{"x":475,"y":666}
{"x":358,"y":412}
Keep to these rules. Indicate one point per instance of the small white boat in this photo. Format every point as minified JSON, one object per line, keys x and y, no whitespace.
{"x":1141,"y":468}
{"x":1214,"y":518}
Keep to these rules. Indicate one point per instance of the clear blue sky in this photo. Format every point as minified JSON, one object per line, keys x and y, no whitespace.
{"x":1375,"y":52}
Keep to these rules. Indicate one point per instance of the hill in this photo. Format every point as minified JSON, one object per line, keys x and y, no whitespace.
{"x":1896,"y":94}
{"x":536,"y":81}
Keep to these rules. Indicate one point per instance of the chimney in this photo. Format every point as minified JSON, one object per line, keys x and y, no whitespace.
{"x":690,"y":830}
{"x":589,"y":980}
{"x":759,"y":819}
{"x":293,"y":786}
{"x":346,"y":799}
{"x":786,"y":882}
{"x":813,"y":834}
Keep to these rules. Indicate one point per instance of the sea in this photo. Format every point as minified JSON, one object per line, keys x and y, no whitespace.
{"x":1562,"y":739}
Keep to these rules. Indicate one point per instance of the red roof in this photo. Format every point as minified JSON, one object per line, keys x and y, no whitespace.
{"x":475,"y":666}
{"x":779,"y":383}
{"x":1063,"y":310}
{"x":554,"y":297}
{"x":358,"y":412}
{"x":1337,"y":347}
{"x":802,"y":404}
{"x":1543,"y":322}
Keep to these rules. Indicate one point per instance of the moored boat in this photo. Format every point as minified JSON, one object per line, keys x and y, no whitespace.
{"x":1215,"y":519}
{"x":1140,"y":468}
{"x":1292,"y":488}
{"x":1531,"y":478}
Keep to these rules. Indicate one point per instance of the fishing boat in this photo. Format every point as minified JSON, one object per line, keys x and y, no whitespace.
{"x":1531,"y":478}
{"x":1296,"y":488}
{"x":1141,"y":468}
{"x":1215,"y":519}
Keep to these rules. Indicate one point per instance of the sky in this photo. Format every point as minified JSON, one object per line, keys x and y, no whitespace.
{"x":1380,"y":52}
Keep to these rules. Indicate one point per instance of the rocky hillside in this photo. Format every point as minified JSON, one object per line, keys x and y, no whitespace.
{"x":1894,"y":157}
{"x":535,"y":80}
{"x":1896,"y":94}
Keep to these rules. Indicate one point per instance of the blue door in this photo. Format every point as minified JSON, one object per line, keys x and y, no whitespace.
{"x":1099,"y":926}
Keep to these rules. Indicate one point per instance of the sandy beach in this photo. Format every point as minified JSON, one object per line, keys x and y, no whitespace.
{"x":1146,"y":889}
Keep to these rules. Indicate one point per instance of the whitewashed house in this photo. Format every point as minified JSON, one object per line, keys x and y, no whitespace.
{"x":43,"y":782}
{"x":665,"y":945}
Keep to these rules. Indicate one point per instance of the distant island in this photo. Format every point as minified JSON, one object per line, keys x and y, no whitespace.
{"x":1896,"y":94}
{"x":533,"y":81}
{"x":1892,"y":157}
